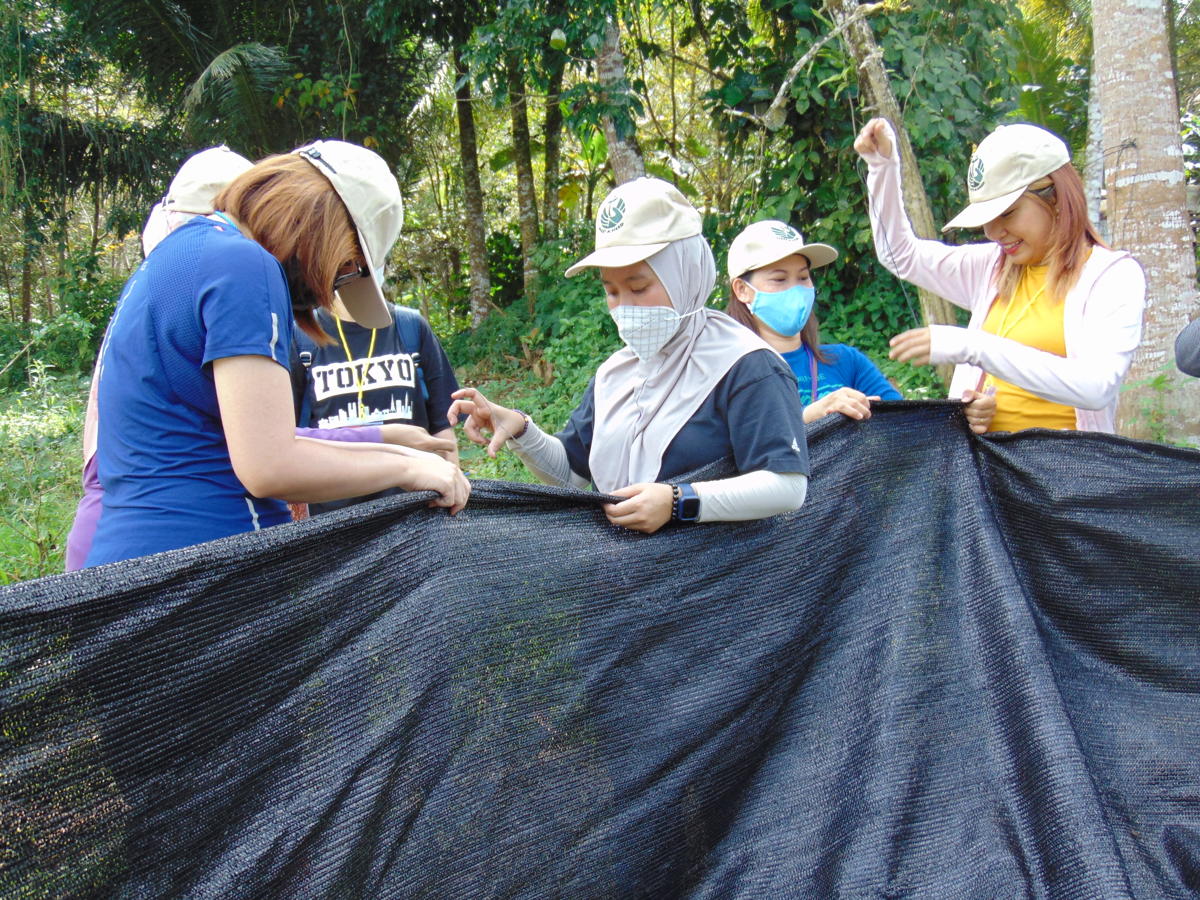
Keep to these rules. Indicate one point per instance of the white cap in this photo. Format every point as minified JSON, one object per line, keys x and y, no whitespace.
{"x":1005,"y":163}
{"x":770,"y":241}
{"x":371,"y":194}
{"x":636,"y":220}
{"x":156,"y":228}
{"x":201,"y":178}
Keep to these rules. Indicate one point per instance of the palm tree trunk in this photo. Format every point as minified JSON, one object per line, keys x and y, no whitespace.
{"x":553,"y":128}
{"x":1147,"y":208}
{"x":860,"y":43}
{"x":526,"y":187}
{"x":476,"y":226}
{"x":623,"y":151}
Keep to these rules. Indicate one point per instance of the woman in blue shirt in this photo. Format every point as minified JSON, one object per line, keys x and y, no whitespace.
{"x":772,"y":293}
{"x":196,"y":420}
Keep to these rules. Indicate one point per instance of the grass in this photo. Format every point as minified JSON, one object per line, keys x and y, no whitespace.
{"x":41,"y":430}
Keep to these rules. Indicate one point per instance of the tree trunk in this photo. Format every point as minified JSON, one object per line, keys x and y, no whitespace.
{"x":526,"y":187}
{"x":481,"y":284}
{"x":1093,"y":171}
{"x":553,"y":140}
{"x":1146,"y":202}
{"x":860,"y":43}
{"x":623,"y":151}
{"x":27,"y":260}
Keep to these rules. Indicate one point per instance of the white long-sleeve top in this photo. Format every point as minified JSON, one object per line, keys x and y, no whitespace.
{"x":740,"y":498}
{"x":1102,"y":313}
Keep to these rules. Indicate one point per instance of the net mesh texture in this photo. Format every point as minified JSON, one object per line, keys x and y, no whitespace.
{"x":966,"y":668}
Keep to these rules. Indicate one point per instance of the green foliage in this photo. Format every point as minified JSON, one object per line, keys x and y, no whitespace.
{"x":1158,"y":408}
{"x":505,"y":265}
{"x":40,"y":465}
{"x":1054,"y":90}
{"x":67,"y":343}
{"x":949,"y":68}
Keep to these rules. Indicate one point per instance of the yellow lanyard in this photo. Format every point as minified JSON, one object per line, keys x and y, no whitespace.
{"x":350,"y":359}
{"x":1003,"y":328}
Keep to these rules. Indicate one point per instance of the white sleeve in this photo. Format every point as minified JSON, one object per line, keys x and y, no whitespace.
{"x":754,"y":495}
{"x":951,"y":272}
{"x":1090,"y":377}
{"x":546,"y":457}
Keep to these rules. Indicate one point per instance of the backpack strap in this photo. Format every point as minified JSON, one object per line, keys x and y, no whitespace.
{"x":301,"y":362}
{"x":408,"y":326}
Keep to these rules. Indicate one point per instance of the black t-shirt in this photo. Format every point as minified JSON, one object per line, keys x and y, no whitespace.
{"x":402,"y":384}
{"x":386,"y":375}
{"x":753,"y":416}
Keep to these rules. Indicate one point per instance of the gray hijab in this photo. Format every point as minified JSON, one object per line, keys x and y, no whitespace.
{"x":641,"y":405}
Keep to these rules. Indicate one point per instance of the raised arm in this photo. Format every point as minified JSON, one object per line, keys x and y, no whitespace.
{"x":951,"y":272}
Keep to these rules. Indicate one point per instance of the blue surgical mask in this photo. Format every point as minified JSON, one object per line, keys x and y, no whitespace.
{"x":785,"y":312}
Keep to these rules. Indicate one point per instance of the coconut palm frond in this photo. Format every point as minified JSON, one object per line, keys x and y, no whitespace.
{"x":63,"y":154}
{"x":158,"y":41}
{"x":235,"y":92}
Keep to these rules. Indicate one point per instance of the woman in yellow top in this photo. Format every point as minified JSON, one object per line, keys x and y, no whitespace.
{"x":1055,"y":314}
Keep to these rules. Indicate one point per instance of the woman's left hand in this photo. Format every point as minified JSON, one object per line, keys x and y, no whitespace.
{"x":980,"y":409}
{"x":911,"y":346}
{"x":647,"y":509}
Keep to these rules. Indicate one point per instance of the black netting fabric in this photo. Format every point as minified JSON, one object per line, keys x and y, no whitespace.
{"x":965,"y":669}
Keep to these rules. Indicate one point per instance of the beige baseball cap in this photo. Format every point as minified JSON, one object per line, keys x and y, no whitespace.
{"x":636,"y":220}
{"x":202,"y":176}
{"x":1005,"y":163}
{"x":771,"y":240}
{"x":371,"y":194}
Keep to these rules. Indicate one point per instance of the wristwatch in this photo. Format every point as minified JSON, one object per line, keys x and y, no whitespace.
{"x":686,"y":507}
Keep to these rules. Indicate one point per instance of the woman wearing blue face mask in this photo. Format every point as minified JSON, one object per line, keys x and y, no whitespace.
{"x":770,"y":276}
{"x":689,"y":388}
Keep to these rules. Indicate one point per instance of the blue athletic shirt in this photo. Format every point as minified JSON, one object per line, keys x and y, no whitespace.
{"x":752,"y":415}
{"x":205,"y":293}
{"x":849,"y":368}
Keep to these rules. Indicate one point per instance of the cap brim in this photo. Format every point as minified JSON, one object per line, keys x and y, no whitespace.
{"x":362,"y":297}
{"x":976,"y":215}
{"x":617,"y":256}
{"x":818,"y":255}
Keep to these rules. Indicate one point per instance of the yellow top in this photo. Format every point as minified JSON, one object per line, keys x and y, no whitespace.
{"x":1031,"y":319}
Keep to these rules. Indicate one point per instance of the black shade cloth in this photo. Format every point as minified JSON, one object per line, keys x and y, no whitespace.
{"x":964,"y":669}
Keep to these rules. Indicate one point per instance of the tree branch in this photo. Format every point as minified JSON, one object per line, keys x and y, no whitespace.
{"x":773,"y":118}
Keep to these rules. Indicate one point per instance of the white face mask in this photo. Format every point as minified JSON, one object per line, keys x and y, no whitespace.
{"x":646,"y":329}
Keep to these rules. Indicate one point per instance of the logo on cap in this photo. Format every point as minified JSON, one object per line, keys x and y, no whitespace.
{"x":975,"y":174}
{"x":786,"y":233}
{"x":611,"y":216}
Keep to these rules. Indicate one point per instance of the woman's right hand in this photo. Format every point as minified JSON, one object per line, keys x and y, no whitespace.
{"x":430,"y":473}
{"x":847,"y":401}
{"x":416,"y":437}
{"x":483,"y":415}
{"x":874,"y":138}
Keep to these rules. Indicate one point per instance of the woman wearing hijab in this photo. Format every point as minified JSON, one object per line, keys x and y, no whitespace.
{"x":690,"y":387}
{"x":197,"y":430}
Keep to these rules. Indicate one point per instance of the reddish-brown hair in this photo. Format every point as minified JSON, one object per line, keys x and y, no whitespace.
{"x":293,"y":211}
{"x":810,"y":334}
{"x":1072,"y":237}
